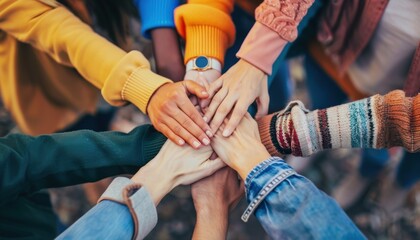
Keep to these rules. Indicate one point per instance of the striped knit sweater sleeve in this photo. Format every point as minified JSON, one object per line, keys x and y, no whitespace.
{"x":375,"y":122}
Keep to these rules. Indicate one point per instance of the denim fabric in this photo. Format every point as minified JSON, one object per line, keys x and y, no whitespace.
{"x":107,"y":220}
{"x":289,"y":206}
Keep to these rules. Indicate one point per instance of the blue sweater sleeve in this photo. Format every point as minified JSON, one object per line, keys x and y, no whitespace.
{"x":156,"y":14}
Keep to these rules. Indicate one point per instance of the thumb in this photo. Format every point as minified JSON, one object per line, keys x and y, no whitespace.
{"x":195,"y":89}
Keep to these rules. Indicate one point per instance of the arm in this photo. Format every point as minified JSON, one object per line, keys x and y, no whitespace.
{"x":128,"y":208}
{"x":213,"y":197}
{"x":235,"y":91}
{"x":375,"y":122}
{"x":121,"y":76}
{"x":286,"y":204}
{"x":29,"y":164}
{"x":158,"y":24}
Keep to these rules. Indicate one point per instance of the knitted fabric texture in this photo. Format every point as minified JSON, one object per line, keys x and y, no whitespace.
{"x":283,"y":16}
{"x":375,"y":122}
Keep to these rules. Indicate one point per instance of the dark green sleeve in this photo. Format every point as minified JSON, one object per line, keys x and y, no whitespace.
{"x":28,"y":164}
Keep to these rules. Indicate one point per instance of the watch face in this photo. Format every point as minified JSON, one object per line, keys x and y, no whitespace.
{"x":201,"y":62}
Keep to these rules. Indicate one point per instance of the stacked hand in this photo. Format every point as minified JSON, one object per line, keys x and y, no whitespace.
{"x":176,"y":165}
{"x":233,"y":93}
{"x":173,"y":114}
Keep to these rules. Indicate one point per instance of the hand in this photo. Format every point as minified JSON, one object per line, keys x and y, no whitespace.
{"x":204,"y":78}
{"x":221,"y":191}
{"x":213,"y":197}
{"x":234,"y":92}
{"x":176,"y":165}
{"x":173,"y":114}
{"x":243,"y":150}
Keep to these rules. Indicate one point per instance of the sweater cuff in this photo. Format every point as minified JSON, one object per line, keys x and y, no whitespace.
{"x":264,"y":127}
{"x":261,"y":48}
{"x":205,"y":41}
{"x":138,"y":201}
{"x":140,"y":87}
{"x":132,"y":80}
{"x":156,"y":14}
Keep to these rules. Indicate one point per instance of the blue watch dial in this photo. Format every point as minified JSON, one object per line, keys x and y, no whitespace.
{"x":201,"y":62}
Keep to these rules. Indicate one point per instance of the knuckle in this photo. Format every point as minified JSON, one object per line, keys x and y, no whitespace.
{"x":177,"y":129}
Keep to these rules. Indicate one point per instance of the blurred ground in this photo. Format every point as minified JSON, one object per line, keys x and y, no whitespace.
{"x":176,"y":211}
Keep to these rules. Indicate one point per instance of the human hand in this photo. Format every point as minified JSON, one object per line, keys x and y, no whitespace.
{"x":234,"y":92}
{"x":243,"y":150}
{"x":204,"y":78}
{"x":220,"y":191}
{"x":213,"y":197}
{"x":176,"y":165}
{"x":173,"y":114}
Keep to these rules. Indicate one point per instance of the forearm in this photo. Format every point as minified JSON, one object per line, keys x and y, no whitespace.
{"x":167,"y":52}
{"x":125,"y":211}
{"x":375,"y":122}
{"x":212,"y":222}
{"x":289,"y":205}
{"x":33,"y":163}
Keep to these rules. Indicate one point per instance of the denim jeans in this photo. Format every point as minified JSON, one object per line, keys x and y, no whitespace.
{"x":373,"y":160}
{"x":289,"y":206}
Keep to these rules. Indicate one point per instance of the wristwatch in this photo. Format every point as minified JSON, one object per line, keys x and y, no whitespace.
{"x":203,"y":63}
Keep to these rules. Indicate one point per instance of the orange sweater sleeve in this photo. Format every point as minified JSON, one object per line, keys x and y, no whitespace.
{"x":53,"y":29}
{"x":206,"y":26}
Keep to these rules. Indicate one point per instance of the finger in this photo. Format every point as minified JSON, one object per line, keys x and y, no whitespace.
{"x":238,"y":113}
{"x":212,"y":90}
{"x":171,"y":135}
{"x":263,"y":103}
{"x":182,"y":132}
{"x":214,"y":104}
{"x":211,"y":166}
{"x":222,"y":112}
{"x":194,"y":100}
{"x":195,"y":89}
{"x":195,"y":122}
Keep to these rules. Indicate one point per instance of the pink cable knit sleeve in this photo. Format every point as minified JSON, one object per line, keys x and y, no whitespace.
{"x":283,"y":16}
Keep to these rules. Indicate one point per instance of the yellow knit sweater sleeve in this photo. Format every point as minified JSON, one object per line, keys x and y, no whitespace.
{"x":207,"y":27}
{"x":53,"y":29}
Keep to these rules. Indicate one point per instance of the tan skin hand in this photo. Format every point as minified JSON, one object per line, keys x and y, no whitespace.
{"x":173,"y":114}
{"x":204,"y":78}
{"x":233,"y":93}
{"x":243,"y":150}
{"x":222,"y":189}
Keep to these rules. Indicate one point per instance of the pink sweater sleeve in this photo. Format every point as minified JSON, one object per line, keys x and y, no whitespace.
{"x":277,"y":22}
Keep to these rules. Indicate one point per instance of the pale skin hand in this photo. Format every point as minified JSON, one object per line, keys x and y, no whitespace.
{"x":243,"y":150}
{"x":176,"y":165}
{"x":213,"y":197}
{"x":173,"y":114}
{"x":233,"y":93}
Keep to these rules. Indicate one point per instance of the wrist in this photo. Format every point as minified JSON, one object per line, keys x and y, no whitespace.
{"x":244,"y":163}
{"x":157,"y":185}
{"x":203,"y":63}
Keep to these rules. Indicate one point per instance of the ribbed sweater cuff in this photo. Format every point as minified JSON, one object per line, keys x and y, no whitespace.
{"x":205,"y":40}
{"x":156,"y":14}
{"x":140,"y":86}
{"x":264,"y":126}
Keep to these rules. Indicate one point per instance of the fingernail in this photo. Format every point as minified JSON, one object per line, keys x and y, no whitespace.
{"x":196,"y":144}
{"x":206,"y":119}
{"x":206,"y":141}
{"x":181,"y":142}
{"x":204,"y":93}
{"x":226,"y":133}
{"x":209,"y":133}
